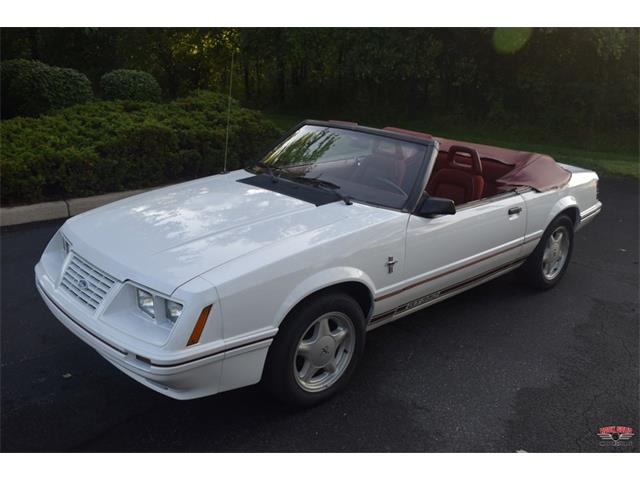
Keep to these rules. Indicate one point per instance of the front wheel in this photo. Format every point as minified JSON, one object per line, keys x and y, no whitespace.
{"x":316,"y":350}
{"x":546,"y":265}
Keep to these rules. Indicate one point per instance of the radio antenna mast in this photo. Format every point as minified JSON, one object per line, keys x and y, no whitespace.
{"x":226,"y":140}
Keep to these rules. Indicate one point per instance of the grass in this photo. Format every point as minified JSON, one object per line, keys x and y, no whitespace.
{"x":622,"y":161}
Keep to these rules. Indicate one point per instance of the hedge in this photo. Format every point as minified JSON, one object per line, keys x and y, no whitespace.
{"x":30,"y":88}
{"x":110,"y":146}
{"x":130,"y":85}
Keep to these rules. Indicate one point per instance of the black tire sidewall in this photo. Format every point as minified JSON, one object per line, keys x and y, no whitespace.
{"x":278,"y":375}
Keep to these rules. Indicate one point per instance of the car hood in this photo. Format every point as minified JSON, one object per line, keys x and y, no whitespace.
{"x":166,"y":237}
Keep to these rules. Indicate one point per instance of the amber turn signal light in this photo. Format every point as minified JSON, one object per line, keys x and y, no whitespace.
{"x":199,"y":327}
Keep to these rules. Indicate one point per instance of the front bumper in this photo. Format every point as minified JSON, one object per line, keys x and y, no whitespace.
{"x":184,"y":378}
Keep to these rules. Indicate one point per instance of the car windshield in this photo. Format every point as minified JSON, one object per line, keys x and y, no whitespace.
{"x":362,"y":166}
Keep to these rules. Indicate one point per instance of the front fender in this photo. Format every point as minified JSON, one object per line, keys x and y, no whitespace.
{"x":318,"y":281}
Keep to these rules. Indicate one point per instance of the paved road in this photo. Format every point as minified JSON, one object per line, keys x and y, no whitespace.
{"x":498,"y":368}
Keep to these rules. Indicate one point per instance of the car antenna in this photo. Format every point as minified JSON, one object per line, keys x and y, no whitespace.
{"x":226,"y":139}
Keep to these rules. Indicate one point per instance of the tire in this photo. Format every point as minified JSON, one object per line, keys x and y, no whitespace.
{"x":540,"y":272}
{"x":312,"y":335}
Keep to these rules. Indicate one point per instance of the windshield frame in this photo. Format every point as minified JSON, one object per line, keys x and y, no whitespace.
{"x":419,"y":185}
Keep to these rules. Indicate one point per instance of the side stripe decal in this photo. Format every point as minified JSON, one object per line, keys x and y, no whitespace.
{"x":453,"y":270}
{"x":445,"y":291}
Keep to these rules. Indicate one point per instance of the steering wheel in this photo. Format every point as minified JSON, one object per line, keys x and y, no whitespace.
{"x":392,"y":184}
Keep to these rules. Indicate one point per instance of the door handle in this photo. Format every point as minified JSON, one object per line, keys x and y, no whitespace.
{"x":515,"y":210}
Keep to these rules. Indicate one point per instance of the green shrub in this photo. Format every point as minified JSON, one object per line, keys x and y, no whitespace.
{"x":129,"y":85}
{"x":108,"y":146}
{"x":30,"y":88}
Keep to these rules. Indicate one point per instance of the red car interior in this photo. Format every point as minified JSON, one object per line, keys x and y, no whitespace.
{"x":459,"y":180}
{"x":492,"y":170}
{"x":466,"y":171}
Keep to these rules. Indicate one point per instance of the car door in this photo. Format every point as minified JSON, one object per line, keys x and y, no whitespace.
{"x":448,"y":252}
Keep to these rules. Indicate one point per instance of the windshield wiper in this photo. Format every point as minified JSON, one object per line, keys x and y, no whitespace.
{"x":316,"y":182}
{"x":270,"y":170}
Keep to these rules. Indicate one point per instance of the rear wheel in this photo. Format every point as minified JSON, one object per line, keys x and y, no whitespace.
{"x":546,"y":265}
{"x":316,"y":350}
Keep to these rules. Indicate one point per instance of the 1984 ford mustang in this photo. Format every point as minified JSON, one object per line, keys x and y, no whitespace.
{"x":276,"y":272}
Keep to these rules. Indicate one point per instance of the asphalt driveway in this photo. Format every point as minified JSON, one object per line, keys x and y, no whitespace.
{"x":498,"y":368}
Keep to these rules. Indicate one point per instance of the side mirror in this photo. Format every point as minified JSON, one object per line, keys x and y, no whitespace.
{"x":432,"y":206}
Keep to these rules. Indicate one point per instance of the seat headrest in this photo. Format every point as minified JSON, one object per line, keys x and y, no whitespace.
{"x":476,"y":164}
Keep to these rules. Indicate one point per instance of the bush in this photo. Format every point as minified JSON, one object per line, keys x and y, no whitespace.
{"x":130,"y":85}
{"x":108,"y":146}
{"x":30,"y":88}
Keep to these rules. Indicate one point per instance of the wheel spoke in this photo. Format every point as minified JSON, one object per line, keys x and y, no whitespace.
{"x":316,"y":332}
{"x":309,"y":371}
{"x":304,"y":349}
{"x":331,"y":366}
{"x":339,"y":336}
{"x":324,"y":328}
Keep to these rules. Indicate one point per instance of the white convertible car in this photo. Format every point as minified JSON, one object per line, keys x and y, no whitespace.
{"x":277,"y":272}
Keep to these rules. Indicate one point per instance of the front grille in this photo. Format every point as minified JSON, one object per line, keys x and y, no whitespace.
{"x":85,"y":282}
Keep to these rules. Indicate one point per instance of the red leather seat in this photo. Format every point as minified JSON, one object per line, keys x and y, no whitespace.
{"x":460,"y":182}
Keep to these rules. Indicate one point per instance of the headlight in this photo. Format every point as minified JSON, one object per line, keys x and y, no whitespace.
{"x":173,"y":310}
{"x":163,"y":311}
{"x":145,"y":302}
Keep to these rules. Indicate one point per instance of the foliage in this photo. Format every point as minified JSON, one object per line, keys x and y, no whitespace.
{"x":109,"y":146}
{"x":30,"y":87}
{"x":125,"y":84}
{"x":541,"y":86}
{"x":581,"y":80}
